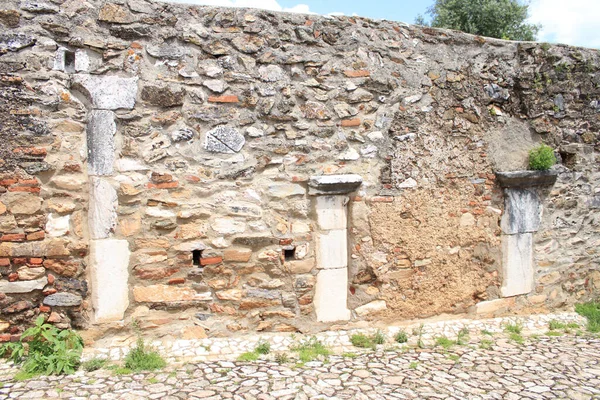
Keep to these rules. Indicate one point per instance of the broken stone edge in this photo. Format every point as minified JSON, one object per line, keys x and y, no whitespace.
{"x":522,"y":179}
{"x":334,"y":184}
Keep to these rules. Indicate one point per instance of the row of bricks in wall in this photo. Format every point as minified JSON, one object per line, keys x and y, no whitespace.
{"x":21,"y":185}
{"x":22,"y":237}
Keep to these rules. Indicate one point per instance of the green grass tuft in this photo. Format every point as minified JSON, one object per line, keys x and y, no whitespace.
{"x":141,"y":359}
{"x":94,"y":364}
{"x":379,"y":337}
{"x":361,"y":340}
{"x":513,"y":328}
{"x":590,"y":310}
{"x":444,"y":342}
{"x":516,"y":338}
{"x":311,"y":349}
{"x":263,"y":347}
{"x":401,"y":337}
{"x":248,"y":356}
{"x":485,"y":344}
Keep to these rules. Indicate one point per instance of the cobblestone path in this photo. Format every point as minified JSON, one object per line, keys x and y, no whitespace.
{"x":544,"y":368}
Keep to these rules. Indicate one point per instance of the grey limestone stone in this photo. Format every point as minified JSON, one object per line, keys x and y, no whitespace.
{"x":63,"y":299}
{"x":166,"y":50}
{"x":271,"y":73}
{"x":224,"y":139}
{"x":107,"y":91}
{"x":15,"y":41}
{"x":40,"y":7}
{"x":101,"y":130}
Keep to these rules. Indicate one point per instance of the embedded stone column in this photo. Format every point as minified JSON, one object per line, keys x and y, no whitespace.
{"x":521,"y":219}
{"x":331,"y":204}
{"x":109,"y":257}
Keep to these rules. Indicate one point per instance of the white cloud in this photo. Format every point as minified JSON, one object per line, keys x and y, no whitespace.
{"x":574,"y":22}
{"x":272,"y":5}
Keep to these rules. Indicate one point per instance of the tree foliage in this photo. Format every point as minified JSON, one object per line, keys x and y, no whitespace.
{"x":502,"y":19}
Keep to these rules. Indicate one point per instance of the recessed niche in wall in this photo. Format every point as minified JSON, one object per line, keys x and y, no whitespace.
{"x":196,"y":256}
{"x":289,"y":253}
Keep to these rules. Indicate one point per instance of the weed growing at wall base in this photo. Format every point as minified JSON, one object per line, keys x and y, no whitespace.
{"x":590,"y":310}
{"x":140,"y":359}
{"x":44,"y":349}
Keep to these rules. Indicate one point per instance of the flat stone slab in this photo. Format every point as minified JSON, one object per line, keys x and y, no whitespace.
{"x":334,"y":184}
{"x":23,"y":286}
{"x":332,"y":249}
{"x":523,"y":179}
{"x":109,"y":274}
{"x":517,"y":264}
{"x":331,"y":295}
{"x":107,"y":92}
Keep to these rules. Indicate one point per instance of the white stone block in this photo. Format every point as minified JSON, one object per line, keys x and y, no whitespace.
{"x":522,"y":211}
{"x":332,"y":249}
{"x":109,"y":266}
{"x":371,"y":308}
{"x":102,"y":213}
{"x":517,"y":264}
{"x":108,"y":92}
{"x":57,"y":225}
{"x":331,"y":295}
{"x":331,"y":212}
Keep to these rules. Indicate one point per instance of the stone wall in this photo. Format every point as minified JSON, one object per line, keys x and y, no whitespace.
{"x":204,"y":171}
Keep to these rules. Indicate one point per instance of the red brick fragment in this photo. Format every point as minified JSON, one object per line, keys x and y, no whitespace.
{"x":36,"y":261}
{"x":211,"y":260}
{"x":51,"y":279}
{"x":13,"y":237}
{"x":223,"y":99}
{"x":5,"y":337}
{"x":361,"y":73}
{"x":31,"y":151}
{"x":176,"y":281}
{"x":38,"y":235}
{"x":13,"y":276}
{"x":351,"y":122}
{"x":165,"y":185}
{"x":382,"y":199}
{"x":24,"y":189}
{"x":45,"y":309}
{"x":8,"y":182}
{"x":4,"y":262}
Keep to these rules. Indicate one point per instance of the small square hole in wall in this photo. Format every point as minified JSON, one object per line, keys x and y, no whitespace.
{"x":196,"y":256}
{"x":69,"y":61}
{"x":289,"y":253}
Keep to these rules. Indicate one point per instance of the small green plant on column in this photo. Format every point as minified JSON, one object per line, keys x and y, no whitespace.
{"x":541,"y":158}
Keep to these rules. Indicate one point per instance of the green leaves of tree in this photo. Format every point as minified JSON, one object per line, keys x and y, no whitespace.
{"x":502,"y":19}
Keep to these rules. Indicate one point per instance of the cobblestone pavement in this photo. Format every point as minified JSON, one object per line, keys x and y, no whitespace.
{"x":564,"y":367}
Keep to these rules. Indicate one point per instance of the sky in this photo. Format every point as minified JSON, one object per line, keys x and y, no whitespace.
{"x":574,"y":22}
